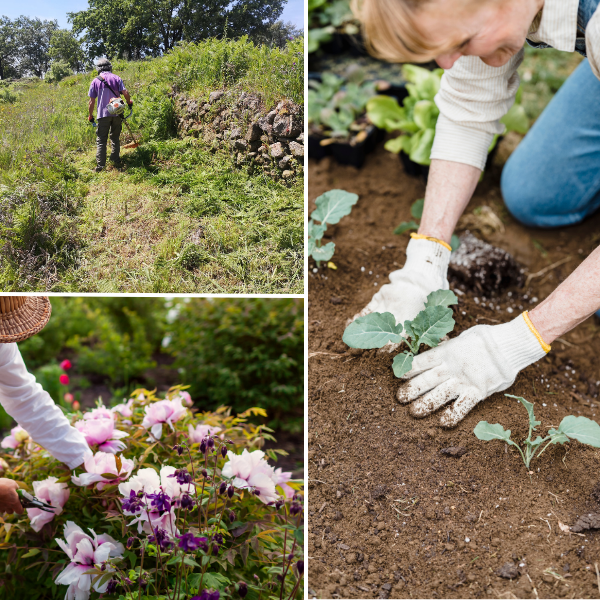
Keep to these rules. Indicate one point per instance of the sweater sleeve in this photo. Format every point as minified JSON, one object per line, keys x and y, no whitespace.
{"x":473,"y":97}
{"x":33,"y":408}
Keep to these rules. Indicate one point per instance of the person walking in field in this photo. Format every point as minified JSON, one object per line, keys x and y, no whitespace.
{"x":105,"y":87}
{"x":24,"y":399}
{"x":551,"y":180}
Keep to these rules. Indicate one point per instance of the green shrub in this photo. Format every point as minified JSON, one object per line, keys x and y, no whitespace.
{"x":58,"y":71}
{"x":243,"y":352}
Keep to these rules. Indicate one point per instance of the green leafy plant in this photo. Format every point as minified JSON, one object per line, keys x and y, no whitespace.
{"x":416,"y":211}
{"x":326,"y":18}
{"x":375,"y":330}
{"x":337,"y":107}
{"x":581,"y":429}
{"x":331,"y":207}
{"x":418,"y":115}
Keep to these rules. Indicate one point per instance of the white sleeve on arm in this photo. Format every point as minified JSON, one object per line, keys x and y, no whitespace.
{"x":33,"y":408}
{"x":473,"y":97}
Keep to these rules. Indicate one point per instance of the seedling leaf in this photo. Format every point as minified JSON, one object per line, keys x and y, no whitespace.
{"x":557,"y":437}
{"x":405,"y":226}
{"x":529,"y":407}
{"x":333,"y":205}
{"x":581,"y":429}
{"x":402,"y":363}
{"x":486,"y":431}
{"x":316,"y":231}
{"x":322,"y":252}
{"x":432,"y":324}
{"x":416,"y":210}
{"x":374,"y":330}
{"x":441,"y":298}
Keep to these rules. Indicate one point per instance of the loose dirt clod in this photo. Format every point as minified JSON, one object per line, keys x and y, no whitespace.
{"x":483,"y":267}
{"x":508,"y":571}
{"x":456,"y":451}
{"x":596,"y":493}
{"x":587,"y":521}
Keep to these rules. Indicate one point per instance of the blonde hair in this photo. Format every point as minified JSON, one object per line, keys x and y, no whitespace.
{"x":391,"y":32}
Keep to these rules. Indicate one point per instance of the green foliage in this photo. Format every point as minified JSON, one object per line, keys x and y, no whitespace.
{"x":7,"y":96}
{"x":418,"y":115}
{"x":66,"y":48}
{"x":331,"y":207}
{"x":243,"y":351}
{"x":30,"y":561}
{"x":325,"y":18}
{"x":58,"y":70}
{"x":375,"y":330}
{"x":581,"y":429}
{"x":335,"y":105}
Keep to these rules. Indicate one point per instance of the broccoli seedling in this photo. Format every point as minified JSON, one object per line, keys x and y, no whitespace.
{"x":375,"y":330}
{"x":571,"y":428}
{"x":331,"y":207}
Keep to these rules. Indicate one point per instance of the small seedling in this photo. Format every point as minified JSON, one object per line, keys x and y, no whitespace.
{"x":331,"y":207}
{"x":584,"y":430}
{"x":416,"y":210}
{"x":375,"y":330}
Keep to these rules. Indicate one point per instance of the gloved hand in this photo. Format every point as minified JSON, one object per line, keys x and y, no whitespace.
{"x":479,"y":362}
{"x":9,"y":500}
{"x":130,"y":104}
{"x":91,"y":119}
{"x":425,"y":271}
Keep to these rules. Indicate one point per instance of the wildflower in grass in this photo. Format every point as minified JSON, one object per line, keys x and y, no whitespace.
{"x":17,"y":436}
{"x":100,"y":464}
{"x":102,"y":432}
{"x":64,"y":379}
{"x":250,"y":470}
{"x":52,"y":492}
{"x":161,"y":412}
{"x":200,"y":432}
{"x":85,"y":551}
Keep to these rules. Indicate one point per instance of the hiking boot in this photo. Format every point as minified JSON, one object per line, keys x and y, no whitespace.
{"x":97,"y":169}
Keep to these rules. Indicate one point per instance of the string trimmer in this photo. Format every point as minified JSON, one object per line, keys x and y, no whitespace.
{"x":116,"y":107}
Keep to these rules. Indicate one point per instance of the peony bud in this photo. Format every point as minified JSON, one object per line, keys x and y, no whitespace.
{"x":65,"y":365}
{"x":75,"y":405}
{"x":222,"y":487}
{"x":64,"y":379}
{"x":68,"y":398}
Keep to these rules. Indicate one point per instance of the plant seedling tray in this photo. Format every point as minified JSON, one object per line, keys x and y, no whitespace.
{"x":345,"y":154}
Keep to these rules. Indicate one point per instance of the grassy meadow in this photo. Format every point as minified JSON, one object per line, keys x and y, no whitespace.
{"x":178,"y":217}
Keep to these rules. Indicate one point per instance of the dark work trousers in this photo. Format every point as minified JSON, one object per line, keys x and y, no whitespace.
{"x":114,"y":125}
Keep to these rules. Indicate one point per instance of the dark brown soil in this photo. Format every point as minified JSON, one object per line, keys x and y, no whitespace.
{"x":392,"y":516}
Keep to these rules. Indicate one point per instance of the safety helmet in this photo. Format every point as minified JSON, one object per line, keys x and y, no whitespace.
{"x":116,"y":107}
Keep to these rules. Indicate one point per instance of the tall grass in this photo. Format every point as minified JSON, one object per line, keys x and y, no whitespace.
{"x":47,"y":189}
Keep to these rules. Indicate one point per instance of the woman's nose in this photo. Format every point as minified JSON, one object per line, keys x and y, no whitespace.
{"x":447,"y":60}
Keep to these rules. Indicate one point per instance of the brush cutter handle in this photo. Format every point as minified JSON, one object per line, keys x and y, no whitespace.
{"x":92,"y":122}
{"x":130,"y":111}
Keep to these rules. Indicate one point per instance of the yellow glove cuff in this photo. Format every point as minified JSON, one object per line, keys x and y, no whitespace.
{"x":545,"y":347}
{"x":419,"y":236}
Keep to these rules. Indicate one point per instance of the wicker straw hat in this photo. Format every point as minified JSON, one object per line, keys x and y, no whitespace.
{"x":22,"y":316}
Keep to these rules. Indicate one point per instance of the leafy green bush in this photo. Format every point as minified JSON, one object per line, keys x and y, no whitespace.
{"x":58,"y":71}
{"x":210,"y":532}
{"x":7,"y":96}
{"x":243,"y":352}
{"x":325,"y":18}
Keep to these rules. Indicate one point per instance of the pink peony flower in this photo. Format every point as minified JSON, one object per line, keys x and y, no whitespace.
{"x":65,"y":365}
{"x":101,"y":412}
{"x":187,"y":399}
{"x":53,"y":493}
{"x":102,"y":432}
{"x":163,"y":411}
{"x":124,"y":409}
{"x":200,"y":432}
{"x":84,"y":552}
{"x":17,"y":436}
{"x":251,"y":471}
{"x":100,"y":464}
{"x":64,"y":379}
{"x":281,"y":478}
{"x":150,"y":482}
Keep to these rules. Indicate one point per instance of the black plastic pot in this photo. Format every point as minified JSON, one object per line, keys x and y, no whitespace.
{"x":343,"y":42}
{"x":354,"y":155}
{"x":315,"y":150}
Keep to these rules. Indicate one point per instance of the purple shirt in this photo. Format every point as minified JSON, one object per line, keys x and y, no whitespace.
{"x":100,"y":90}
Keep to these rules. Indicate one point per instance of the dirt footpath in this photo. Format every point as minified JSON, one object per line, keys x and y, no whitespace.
{"x":390,"y":515}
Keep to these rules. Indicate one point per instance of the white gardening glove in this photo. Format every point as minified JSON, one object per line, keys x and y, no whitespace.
{"x":425,"y":271}
{"x":479,"y":362}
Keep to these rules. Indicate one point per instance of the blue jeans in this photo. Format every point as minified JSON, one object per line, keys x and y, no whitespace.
{"x":553,"y":177}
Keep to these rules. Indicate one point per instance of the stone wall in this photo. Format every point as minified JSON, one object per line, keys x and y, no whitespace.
{"x":271,"y":141}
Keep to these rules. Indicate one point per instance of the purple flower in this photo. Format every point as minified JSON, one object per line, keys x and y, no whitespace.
{"x":179,"y":449}
{"x":187,"y":502}
{"x":222,"y":487}
{"x":230,"y":491}
{"x":295,"y":508}
{"x":189,"y":543}
{"x":182,"y":476}
{"x":223,"y":451}
{"x":161,"y":537}
{"x":242,"y":589}
{"x":132,"y":504}
{"x":231,"y":517}
{"x":218,"y":538}
{"x":111,"y":588}
{"x":207,"y":595}
{"x":203,"y":446}
{"x":160,"y":501}
{"x":210,"y":443}
{"x":130,"y":543}
{"x":300,"y":567}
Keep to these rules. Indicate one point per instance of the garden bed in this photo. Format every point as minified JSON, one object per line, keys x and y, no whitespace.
{"x":390,"y":516}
